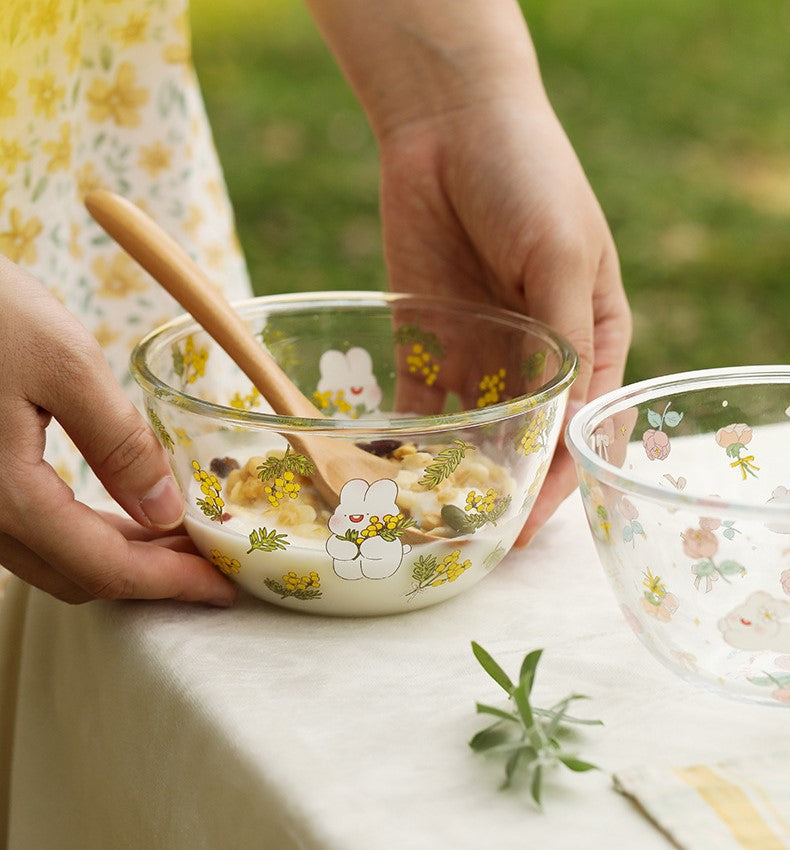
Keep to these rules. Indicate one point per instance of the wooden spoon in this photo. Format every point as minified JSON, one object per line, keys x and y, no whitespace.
{"x":336,"y":461}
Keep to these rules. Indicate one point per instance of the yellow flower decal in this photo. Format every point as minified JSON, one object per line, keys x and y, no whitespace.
{"x":280,"y":473}
{"x":389,"y":527}
{"x":8,"y":104}
{"x":295,"y":582}
{"x":283,"y":487}
{"x":224,"y":563}
{"x":419,"y":361}
{"x":246,"y":402}
{"x":330,"y":403}
{"x":155,"y":158}
{"x":534,"y":435}
{"x":479,"y":510}
{"x":491,"y":387}
{"x":120,"y":277}
{"x":424,"y":353}
{"x":429,"y":571}
{"x":59,"y":150}
{"x":189,"y":364}
{"x":46,"y":95}
{"x":212,"y":504}
{"x":19,"y":243}
{"x":119,"y":101}
{"x":299,"y":586}
{"x":481,"y":503}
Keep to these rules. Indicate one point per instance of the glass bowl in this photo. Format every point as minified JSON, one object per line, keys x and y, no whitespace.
{"x":685,"y":480}
{"x":466,"y":401}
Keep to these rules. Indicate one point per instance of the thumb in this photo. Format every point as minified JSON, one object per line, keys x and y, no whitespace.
{"x":115,"y":440}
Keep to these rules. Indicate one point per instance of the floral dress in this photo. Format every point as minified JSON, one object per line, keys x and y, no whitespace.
{"x":102,"y":93}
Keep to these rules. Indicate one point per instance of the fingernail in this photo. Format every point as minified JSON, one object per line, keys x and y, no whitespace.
{"x":163,"y":505}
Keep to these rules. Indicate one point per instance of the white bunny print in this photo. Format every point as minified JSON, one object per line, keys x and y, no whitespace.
{"x":347,"y":385}
{"x":357,"y":545}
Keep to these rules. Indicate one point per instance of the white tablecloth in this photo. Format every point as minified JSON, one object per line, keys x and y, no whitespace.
{"x":161,"y":725}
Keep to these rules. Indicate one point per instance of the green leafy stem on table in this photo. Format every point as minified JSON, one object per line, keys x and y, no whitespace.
{"x":527,"y":736}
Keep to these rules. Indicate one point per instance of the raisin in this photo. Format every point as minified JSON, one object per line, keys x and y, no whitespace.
{"x":223,"y":465}
{"x":381,"y":448}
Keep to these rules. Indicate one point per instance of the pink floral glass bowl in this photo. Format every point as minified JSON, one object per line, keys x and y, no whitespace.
{"x":685,"y":480}
{"x":465,"y":400}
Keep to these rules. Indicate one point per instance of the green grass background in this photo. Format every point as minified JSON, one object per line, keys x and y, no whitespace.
{"x":678,"y":111}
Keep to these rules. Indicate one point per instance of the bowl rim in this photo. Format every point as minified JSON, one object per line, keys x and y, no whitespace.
{"x":578,"y":430}
{"x":183,"y":324}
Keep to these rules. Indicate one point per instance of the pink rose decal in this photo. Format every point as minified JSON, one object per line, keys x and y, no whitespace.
{"x":699,"y":543}
{"x":628,"y":509}
{"x":737,"y":433}
{"x":734,"y":439}
{"x":655,"y":439}
{"x":702,"y":544}
{"x":656,"y":444}
{"x":656,"y":601}
{"x":632,"y":528}
{"x":663,"y":609}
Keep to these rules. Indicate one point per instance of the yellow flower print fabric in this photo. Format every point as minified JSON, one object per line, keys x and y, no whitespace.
{"x":101,"y":93}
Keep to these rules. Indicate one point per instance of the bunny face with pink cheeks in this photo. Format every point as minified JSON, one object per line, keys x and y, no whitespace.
{"x":353,"y":555}
{"x":347,"y":382}
{"x":760,"y":622}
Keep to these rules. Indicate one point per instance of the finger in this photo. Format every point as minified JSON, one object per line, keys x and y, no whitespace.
{"x":86,"y":548}
{"x":612,"y":328}
{"x":31,"y":568}
{"x":560,"y":482}
{"x":110,"y":433}
{"x":177,"y":541}
{"x":600,"y":330}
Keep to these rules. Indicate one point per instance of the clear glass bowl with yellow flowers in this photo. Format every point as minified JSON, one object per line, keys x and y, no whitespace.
{"x":465,"y":401}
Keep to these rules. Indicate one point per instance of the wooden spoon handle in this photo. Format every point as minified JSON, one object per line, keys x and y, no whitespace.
{"x":169,"y":264}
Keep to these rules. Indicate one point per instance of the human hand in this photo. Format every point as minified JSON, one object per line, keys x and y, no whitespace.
{"x":53,"y":368}
{"x":488,"y":202}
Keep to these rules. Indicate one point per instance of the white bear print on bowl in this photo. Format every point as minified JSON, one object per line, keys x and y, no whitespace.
{"x":360,"y":546}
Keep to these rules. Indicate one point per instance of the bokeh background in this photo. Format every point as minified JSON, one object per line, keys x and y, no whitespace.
{"x":679,"y":112}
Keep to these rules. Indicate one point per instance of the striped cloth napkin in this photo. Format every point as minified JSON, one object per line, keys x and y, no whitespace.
{"x":732,"y":805}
